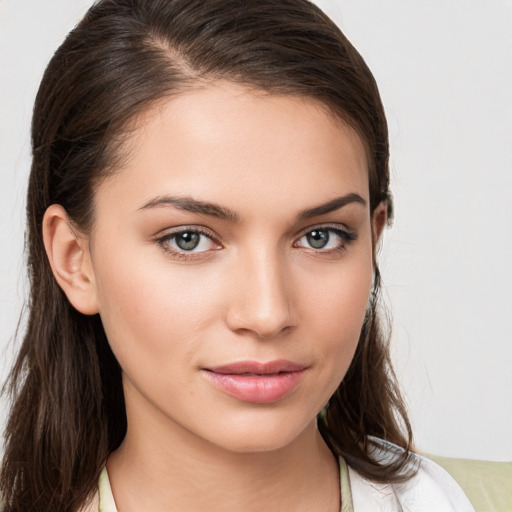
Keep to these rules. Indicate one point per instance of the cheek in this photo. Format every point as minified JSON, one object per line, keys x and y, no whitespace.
{"x":336,"y":312}
{"x":145,"y":308}
{"x":340,"y":296}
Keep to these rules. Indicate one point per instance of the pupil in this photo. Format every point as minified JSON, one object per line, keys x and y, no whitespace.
{"x":318,"y":239}
{"x":187,"y":241}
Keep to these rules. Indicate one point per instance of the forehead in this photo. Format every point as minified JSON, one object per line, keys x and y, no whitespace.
{"x":224,"y":140}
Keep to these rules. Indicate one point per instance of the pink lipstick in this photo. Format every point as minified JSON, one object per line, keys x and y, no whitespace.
{"x":256,"y":382}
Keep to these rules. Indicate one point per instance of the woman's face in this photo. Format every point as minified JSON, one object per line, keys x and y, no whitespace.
{"x":231,"y":259}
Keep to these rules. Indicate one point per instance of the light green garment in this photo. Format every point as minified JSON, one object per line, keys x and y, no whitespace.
{"x":488,"y":485}
{"x":345,"y":492}
{"x":107,"y":503}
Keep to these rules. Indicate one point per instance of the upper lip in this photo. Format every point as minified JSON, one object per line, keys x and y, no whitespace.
{"x":257,"y":368}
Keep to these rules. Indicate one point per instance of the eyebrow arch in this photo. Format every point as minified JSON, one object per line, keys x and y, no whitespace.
{"x":206,"y":208}
{"x":192,"y":205}
{"x":334,"y":204}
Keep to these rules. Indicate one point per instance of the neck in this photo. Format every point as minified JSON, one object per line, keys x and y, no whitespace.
{"x":162,"y":467}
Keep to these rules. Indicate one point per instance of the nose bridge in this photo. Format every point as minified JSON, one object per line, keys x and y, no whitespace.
{"x":263,"y":302}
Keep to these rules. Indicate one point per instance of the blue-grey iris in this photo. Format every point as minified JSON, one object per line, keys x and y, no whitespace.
{"x":188,"y":240}
{"x":318,"y":238}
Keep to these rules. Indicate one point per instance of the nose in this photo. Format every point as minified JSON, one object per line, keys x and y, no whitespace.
{"x":262,"y":302}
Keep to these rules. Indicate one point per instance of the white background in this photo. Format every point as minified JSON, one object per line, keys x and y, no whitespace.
{"x":444,"y":68}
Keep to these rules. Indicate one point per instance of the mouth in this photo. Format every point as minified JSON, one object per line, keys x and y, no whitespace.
{"x":256,"y":368}
{"x":255,"y":382}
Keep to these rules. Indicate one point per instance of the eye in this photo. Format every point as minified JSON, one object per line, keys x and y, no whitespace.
{"x":187,"y":241}
{"x":326,"y":239}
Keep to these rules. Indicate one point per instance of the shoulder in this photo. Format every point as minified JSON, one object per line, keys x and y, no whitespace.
{"x":488,"y":484}
{"x":431,"y":488}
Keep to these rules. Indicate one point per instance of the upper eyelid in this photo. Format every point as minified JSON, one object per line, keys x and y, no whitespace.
{"x":203,"y":230}
{"x":165,"y":236}
{"x":328,"y":225}
{"x":211,"y":234}
{"x":345,"y":233}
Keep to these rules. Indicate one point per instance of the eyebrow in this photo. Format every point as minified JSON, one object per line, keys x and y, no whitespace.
{"x":331,"y":206}
{"x":206,"y":208}
{"x":192,"y":205}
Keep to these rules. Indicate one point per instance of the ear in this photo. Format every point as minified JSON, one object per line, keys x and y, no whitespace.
{"x":379,"y":219}
{"x":70,"y":260}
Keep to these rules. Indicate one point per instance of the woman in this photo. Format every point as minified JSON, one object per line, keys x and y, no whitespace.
{"x":209,"y":185}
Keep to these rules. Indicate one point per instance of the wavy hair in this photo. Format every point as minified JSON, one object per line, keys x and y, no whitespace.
{"x":68,"y":410}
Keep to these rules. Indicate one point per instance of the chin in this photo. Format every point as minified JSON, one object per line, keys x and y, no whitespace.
{"x":263,"y":434}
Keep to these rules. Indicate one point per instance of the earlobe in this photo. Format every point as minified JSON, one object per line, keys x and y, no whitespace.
{"x":70,"y":261}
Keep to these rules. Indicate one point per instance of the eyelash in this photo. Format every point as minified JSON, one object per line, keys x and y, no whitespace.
{"x":346,"y":235}
{"x":164,"y":240}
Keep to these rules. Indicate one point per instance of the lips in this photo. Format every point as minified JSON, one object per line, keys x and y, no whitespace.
{"x":252,"y":381}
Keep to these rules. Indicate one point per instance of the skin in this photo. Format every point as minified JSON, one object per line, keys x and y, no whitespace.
{"x":254,"y":289}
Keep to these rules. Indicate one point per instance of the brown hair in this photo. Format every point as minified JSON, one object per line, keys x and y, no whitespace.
{"x":68,"y":408}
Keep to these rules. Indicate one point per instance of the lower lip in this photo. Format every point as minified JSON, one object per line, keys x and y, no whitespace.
{"x":259,"y":389}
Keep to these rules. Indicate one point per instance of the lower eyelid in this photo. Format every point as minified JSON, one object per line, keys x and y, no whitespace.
{"x":347,"y":236}
{"x":165,"y":240}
